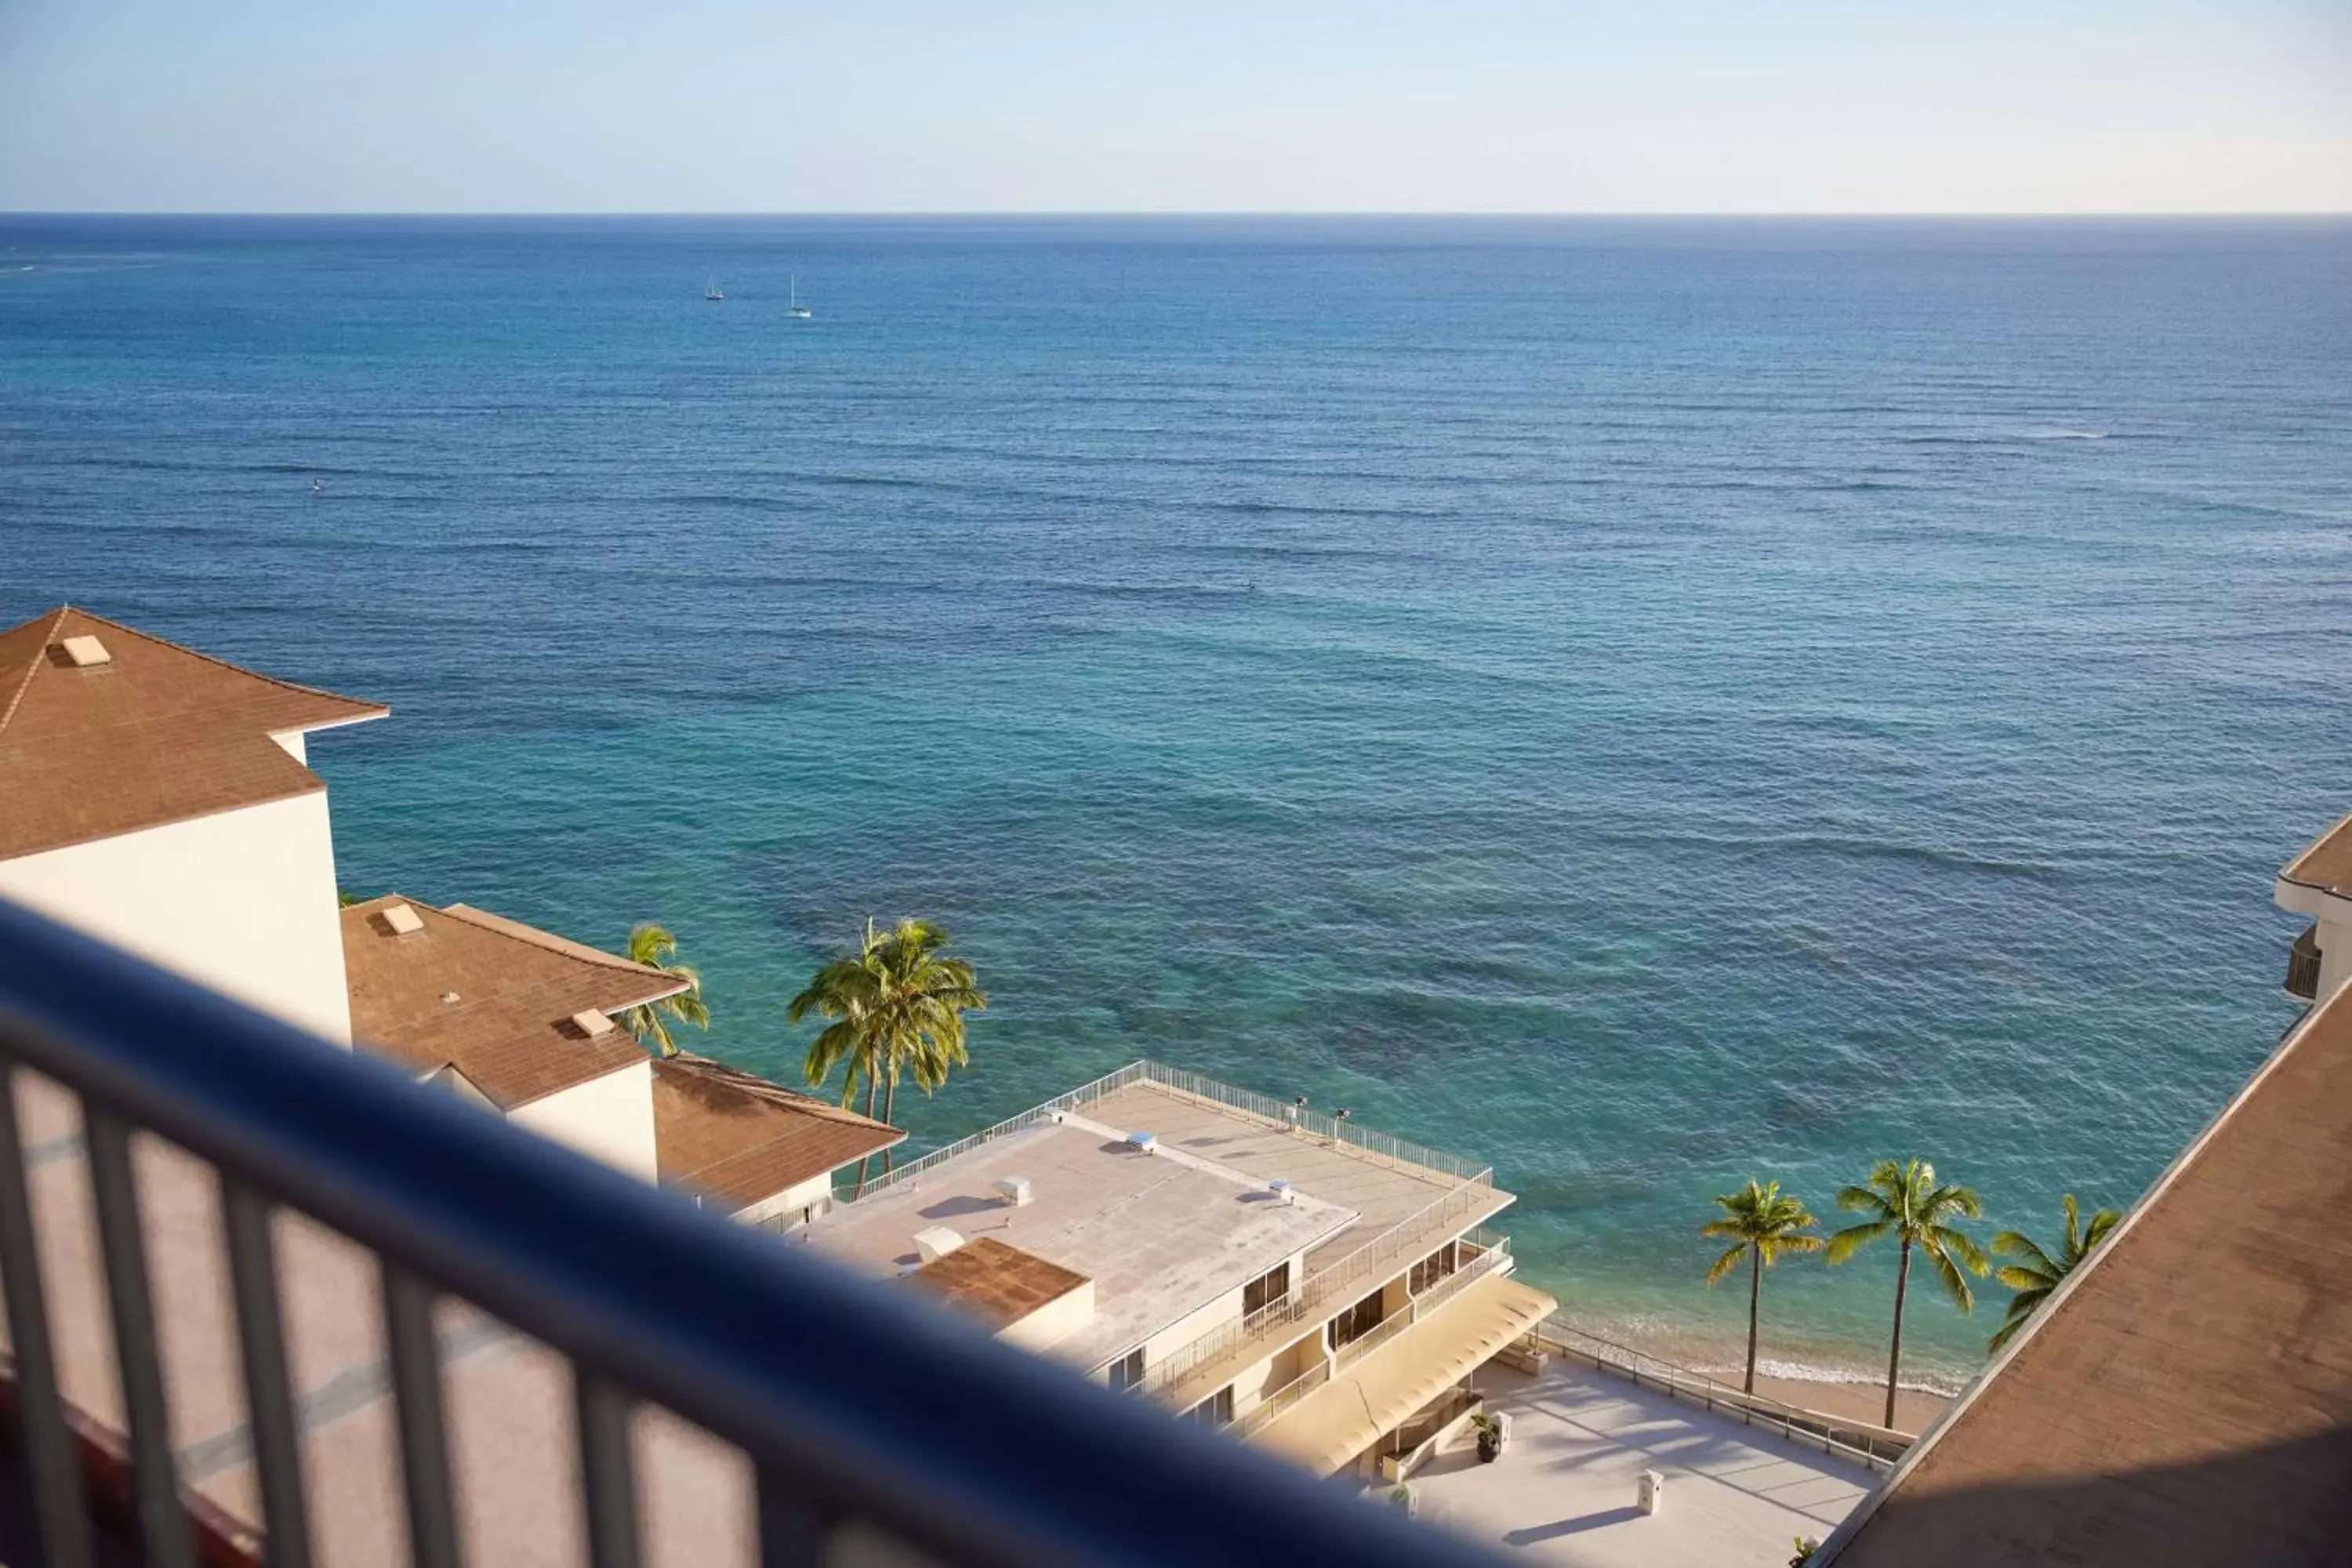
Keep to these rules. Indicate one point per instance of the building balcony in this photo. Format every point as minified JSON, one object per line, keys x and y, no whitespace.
{"x":269,"y":1300}
{"x":2303,"y":967}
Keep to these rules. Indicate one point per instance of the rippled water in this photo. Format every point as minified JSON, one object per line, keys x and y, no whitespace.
{"x":1643,"y":704}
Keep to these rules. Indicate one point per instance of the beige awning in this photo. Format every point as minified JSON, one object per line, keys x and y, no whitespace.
{"x":1350,"y":1413}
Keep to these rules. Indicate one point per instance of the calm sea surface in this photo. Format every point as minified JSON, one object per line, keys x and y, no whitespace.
{"x":1643,"y":703}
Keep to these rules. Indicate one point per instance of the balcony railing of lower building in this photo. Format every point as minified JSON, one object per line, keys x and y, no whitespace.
{"x":829,"y":1418}
{"x":2303,"y":967}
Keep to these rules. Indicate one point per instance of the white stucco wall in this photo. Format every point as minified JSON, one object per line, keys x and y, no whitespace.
{"x":611,"y":1118}
{"x":242,"y":900}
{"x":816,"y":1191}
{"x":1055,"y":1321}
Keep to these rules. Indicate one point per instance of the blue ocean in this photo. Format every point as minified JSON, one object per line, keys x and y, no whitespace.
{"x":1643,"y":704}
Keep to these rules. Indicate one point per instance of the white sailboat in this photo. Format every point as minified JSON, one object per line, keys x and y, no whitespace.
{"x":794,"y":309}
{"x":710,"y":290}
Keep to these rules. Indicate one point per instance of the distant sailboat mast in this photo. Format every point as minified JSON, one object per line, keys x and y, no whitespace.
{"x":794,"y":307}
{"x":710,"y":290}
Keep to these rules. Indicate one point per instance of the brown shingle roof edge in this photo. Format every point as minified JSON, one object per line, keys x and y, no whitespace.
{"x":2326,"y":863}
{"x":731,"y":1134}
{"x":2324,"y":1027}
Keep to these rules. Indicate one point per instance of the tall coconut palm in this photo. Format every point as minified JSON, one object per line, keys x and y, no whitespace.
{"x":897,"y":1009}
{"x":1761,"y":1224}
{"x":1905,"y":1201}
{"x":654,"y":947}
{"x":2039,"y":1275}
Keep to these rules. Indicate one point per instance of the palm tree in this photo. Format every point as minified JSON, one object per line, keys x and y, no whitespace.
{"x":897,"y":1008}
{"x":2039,"y":1275}
{"x":1905,"y":1201}
{"x":1761,"y":1224}
{"x":652,"y":946}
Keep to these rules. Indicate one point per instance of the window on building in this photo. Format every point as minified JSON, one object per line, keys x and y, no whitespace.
{"x":1433,"y":1268}
{"x":1127,"y":1369}
{"x":1359,"y":1319}
{"x":1215,"y":1411}
{"x":1270,"y":1286}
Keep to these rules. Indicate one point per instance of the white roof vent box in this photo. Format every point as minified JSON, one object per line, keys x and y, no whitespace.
{"x":82,"y":652}
{"x":1014,"y":1191}
{"x":937,"y":1242}
{"x":1143,"y":1142}
{"x":404,"y":921}
{"x":1282,"y":1190}
{"x":592,"y":1022}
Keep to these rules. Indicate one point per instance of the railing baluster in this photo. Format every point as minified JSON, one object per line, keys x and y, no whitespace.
{"x":162,"y":1524}
{"x":50,"y":1456}
{"x":791,"y":1531}
{"x":608,"y":1478}
{"x":423,"y":1423}
{"x":269,"y":1386}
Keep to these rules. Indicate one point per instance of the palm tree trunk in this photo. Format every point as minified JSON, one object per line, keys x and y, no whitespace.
{"x":1755,"y":1296}
{"x":890,"y":1100}
{"x":1894,"y":1356}
{"x":865,"y":1159}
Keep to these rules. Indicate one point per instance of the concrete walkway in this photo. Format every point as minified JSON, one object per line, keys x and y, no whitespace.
{"x":1564,"y":1491}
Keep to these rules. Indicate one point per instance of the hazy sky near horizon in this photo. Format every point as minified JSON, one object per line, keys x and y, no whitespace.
{"x":1691,"y":106}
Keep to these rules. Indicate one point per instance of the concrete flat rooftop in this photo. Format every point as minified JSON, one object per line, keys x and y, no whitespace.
{"x":1385,"y":1193}
{"x":1563,"y":1492}
{"x":1160,"y":1234}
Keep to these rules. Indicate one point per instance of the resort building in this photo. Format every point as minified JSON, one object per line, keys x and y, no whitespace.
{"x":163,"y":801}
{"x":2185,"y":1397}
{"x":1323,"y":1290}
{"x":2319,"y":883}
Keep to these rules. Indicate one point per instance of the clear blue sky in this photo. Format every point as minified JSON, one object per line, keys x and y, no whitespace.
{"x":1095,"y":105}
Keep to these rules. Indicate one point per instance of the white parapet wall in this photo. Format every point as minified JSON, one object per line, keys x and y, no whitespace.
{"x":610,"y":1118}
{"x":242,"y":900}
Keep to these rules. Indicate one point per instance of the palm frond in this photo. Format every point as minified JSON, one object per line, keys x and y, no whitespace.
{"x":1726,"y":1262}
{"x":2017,"y":1244}
{"x":1845,"y":1243}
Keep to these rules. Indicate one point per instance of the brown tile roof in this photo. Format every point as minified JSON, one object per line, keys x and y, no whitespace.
{"x":727,"y":1133}
{"x":2328,"y":864}
{"x":155,"y":735}
{"x":511,"y":1031}
{"x":995,"y":1282}
{"x":2187,"y":1397}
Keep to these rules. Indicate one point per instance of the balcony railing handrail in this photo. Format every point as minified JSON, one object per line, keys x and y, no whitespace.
{"x":1397,"y":1244}
{"x":1012,"y":1461}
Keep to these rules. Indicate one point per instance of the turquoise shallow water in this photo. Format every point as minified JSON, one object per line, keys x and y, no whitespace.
{"x":1641,"y":703}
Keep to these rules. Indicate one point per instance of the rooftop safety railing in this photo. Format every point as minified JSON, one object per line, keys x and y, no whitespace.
{"x":986,"y":1456}
{"x":1313,"y":1123}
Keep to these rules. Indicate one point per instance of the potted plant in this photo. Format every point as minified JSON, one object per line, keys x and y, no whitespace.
{"x":1490,"y":1438}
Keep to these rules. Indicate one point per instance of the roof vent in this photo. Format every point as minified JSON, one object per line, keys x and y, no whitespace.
{"x":1280,"y":1187}
{"x":592,"y":1022}
{"x":1014,"y":1191}
{"x":937,"y":1242}
{"x":84,"y":651}
{"x":450,"y":998}
{"x":1143,"y":1142}
{"x":404,"y":921}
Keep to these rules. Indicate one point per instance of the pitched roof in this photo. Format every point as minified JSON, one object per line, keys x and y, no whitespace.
{"x":513,"y":1030}
{"x":2186,"y":1397}
{"x":2328,"y":864}
{"x":154,"y":733}
{"x":729,"y":1134}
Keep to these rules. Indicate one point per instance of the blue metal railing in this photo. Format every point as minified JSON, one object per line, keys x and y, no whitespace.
{"x":856,"y":1405}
